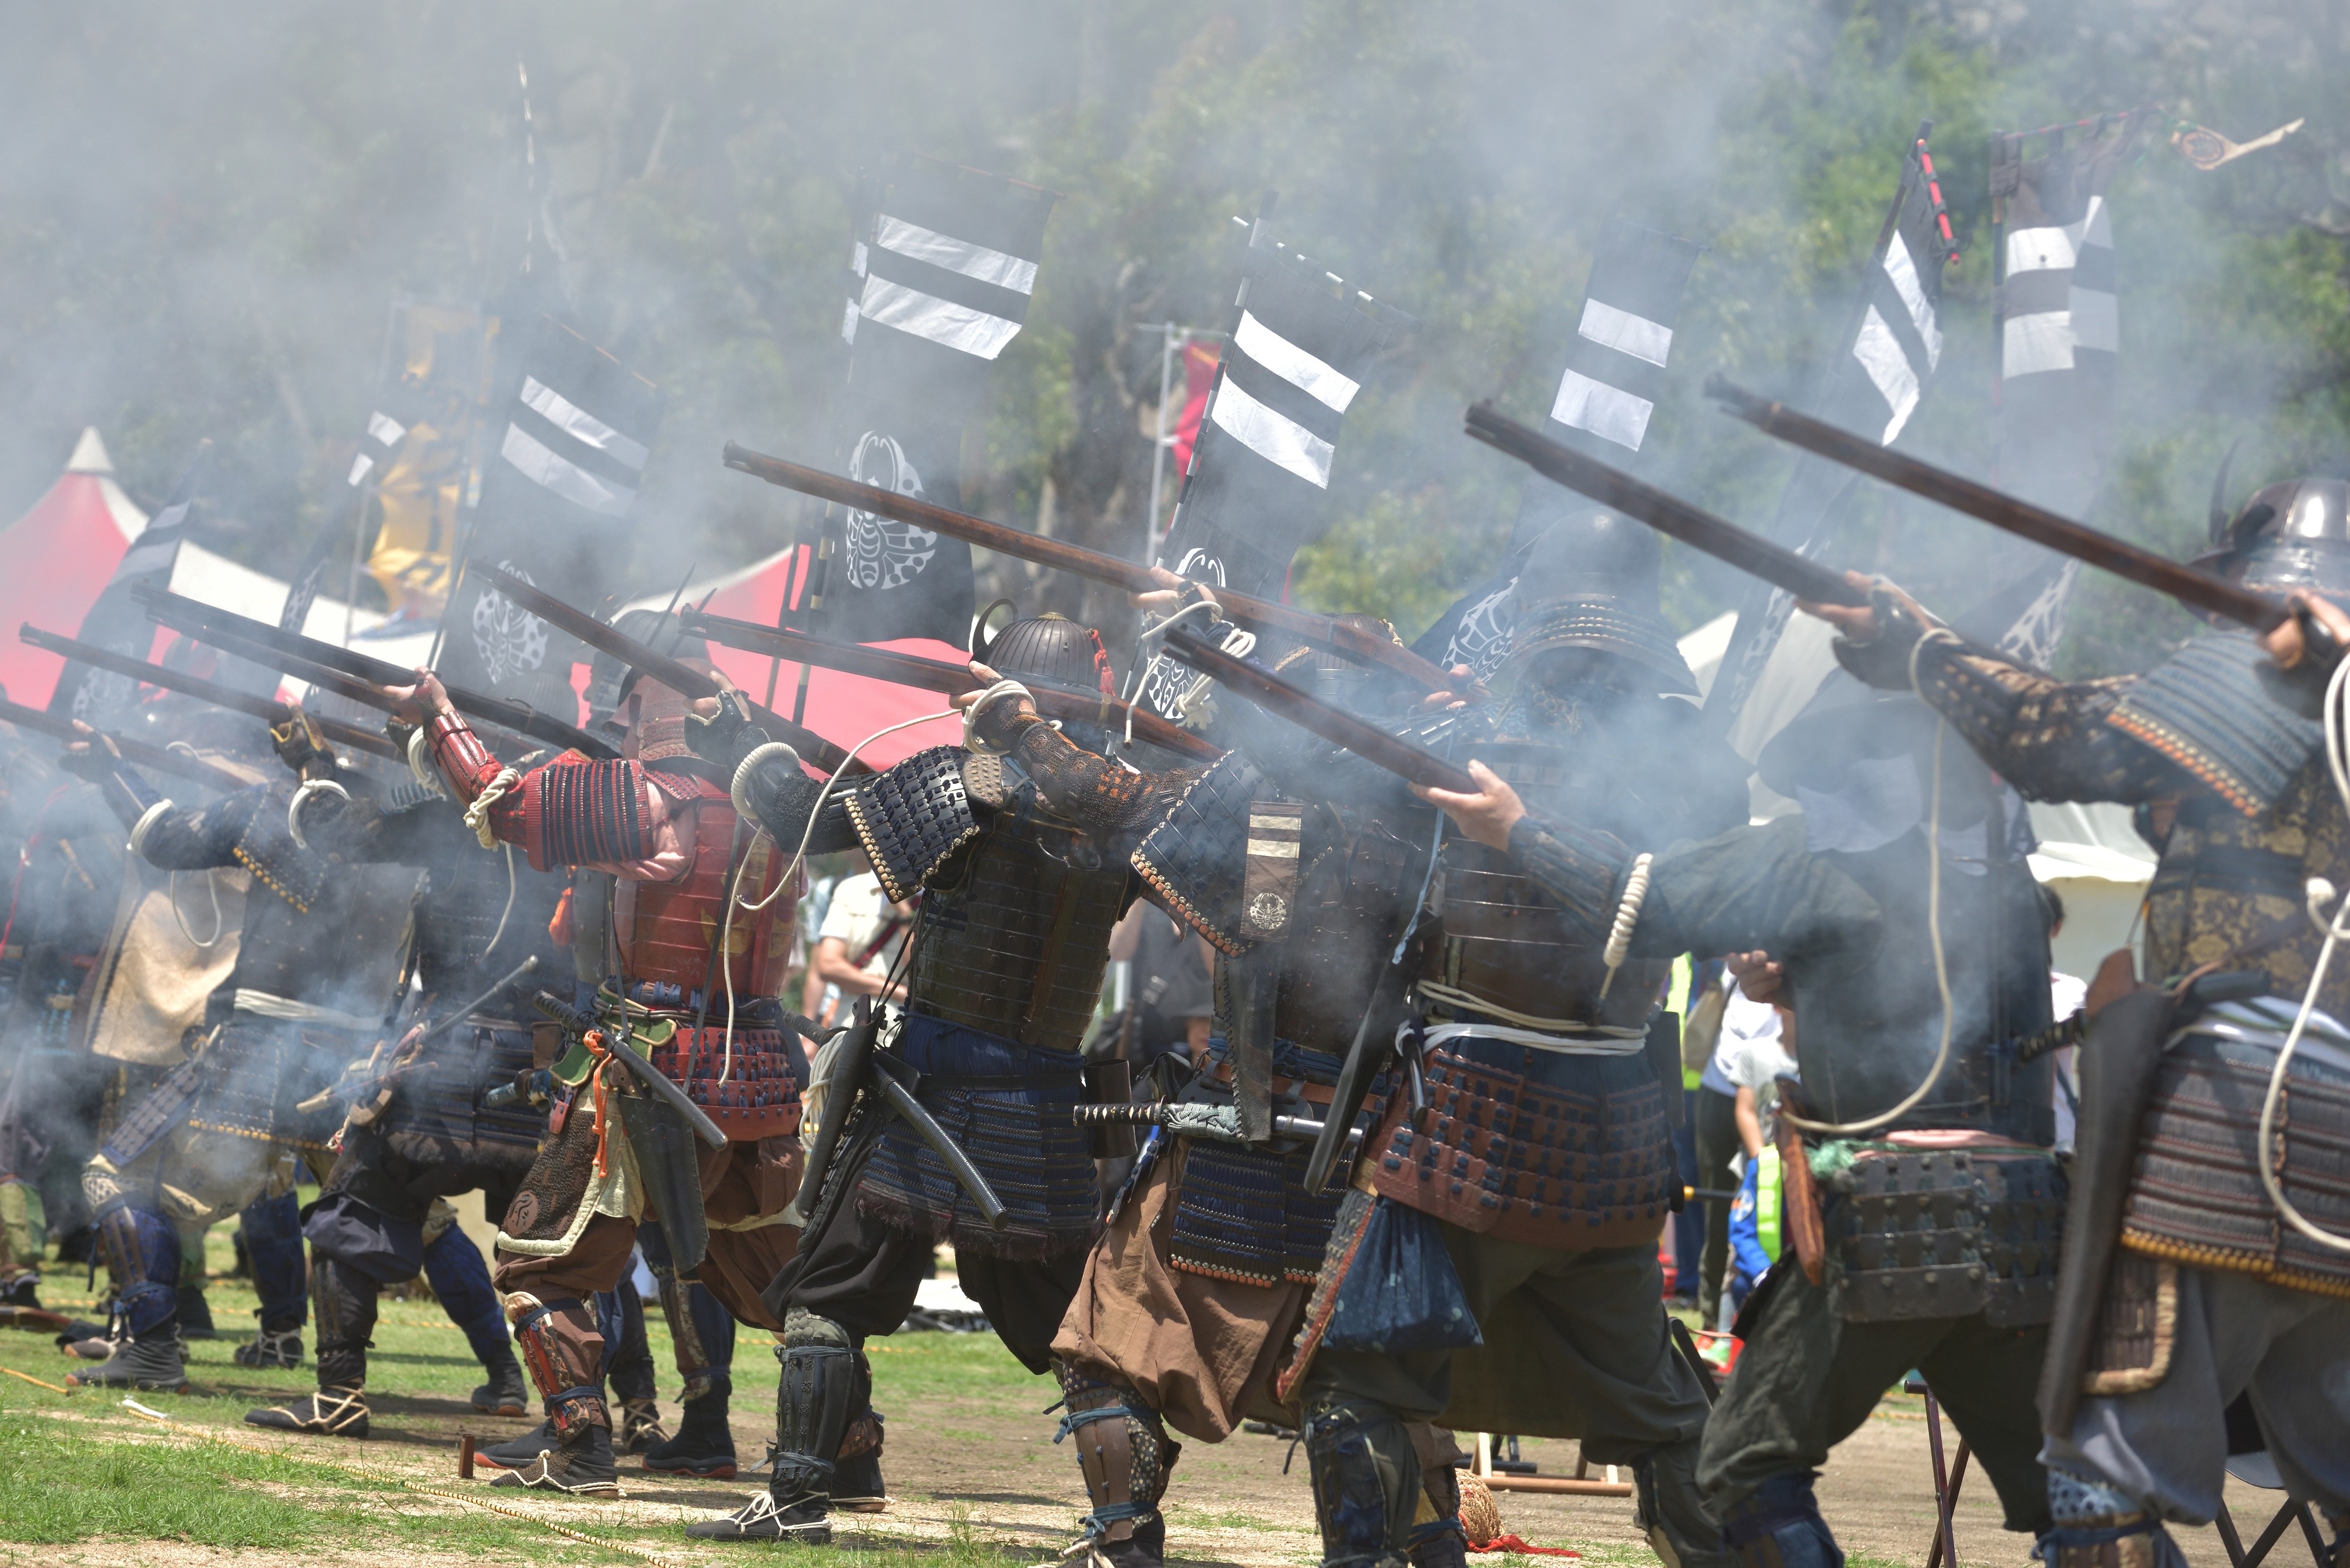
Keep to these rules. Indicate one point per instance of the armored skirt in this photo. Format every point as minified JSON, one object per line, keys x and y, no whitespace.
{"x":1195,"y":1292}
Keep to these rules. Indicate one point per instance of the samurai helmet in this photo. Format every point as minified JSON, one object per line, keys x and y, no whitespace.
{"x":609,"y":681}
{"x":2295,"y":535}
{"x":1048,"y":648}
{"x":1591,"y":582}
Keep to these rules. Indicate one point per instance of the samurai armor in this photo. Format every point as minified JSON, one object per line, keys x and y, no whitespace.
{"x":751,"y":1090}
{"x":1196,"y":858}
{"x":1947,"y":1234}
{"x":2207,"y":709}
{"x":2195,"y":1193}
{"x":1015,"y":944}
{"x":440,"y":1097}
{"x":673,"y":926}
{"x":1577,"y":1158}
{"x":912,"y":816}
{"x":546,"y":1211}
{"x":1008,"y":1105}
{"x":257,"y":1072}
{"x":1242,"y":1213}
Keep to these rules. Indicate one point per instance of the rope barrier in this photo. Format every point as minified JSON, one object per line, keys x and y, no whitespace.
{"x":369,"y":1472}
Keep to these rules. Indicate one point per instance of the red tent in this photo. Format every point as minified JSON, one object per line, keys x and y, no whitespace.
{"x":55,"y":559}
{"x":843,"y":708}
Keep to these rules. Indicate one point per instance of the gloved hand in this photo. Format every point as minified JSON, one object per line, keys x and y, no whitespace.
{"x":727,"y":734}
{"x":1876,"y":649}
{"x":301,"y":748}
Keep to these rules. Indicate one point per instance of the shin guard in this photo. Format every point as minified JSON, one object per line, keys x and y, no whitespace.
{"x":814,"y":1400}
{"x":564,"y":1355}
{"x":1437,"y":1540}
{"x":1366,"y":1483}
{"x":345,"y":1300}
{"x":2099,"y":1527}
{"x":1124,"y":1453}
{"x":143,"y":1256}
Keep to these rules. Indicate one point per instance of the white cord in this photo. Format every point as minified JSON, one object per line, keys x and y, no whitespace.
{"x":1933,"y":931}
{"x":180,"y":921}
{"x":980,"y":703}
{"x":507,"y":912}
{"x":147,"y":820}
{"x":1628,"y":919}
{"x":734,"y":883}
{"x":301,"y":797}
{"x":477,"y":816}
{"x":2335,"y":931}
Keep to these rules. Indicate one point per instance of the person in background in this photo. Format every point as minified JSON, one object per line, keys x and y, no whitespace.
{"x":2067,"y":994}
{"x":1764,"y":1031}
{"x":1721,"y":1136}
{"x":859,"y":941}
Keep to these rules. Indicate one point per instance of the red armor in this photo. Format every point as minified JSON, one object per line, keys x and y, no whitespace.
{"x":667,"y":931}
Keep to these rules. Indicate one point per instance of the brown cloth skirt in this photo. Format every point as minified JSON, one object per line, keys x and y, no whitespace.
{"x":1201,"y":1351}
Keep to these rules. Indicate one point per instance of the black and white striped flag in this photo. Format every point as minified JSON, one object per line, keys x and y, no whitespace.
{"x":381,"y":443}
{"x":2060,"y":339}
{"x":1261,"y":468}
{"x":1872,"y":386}
{"x":943,"y":274}
{"x":554,"y":509}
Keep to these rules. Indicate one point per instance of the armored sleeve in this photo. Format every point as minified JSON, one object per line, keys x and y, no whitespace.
{"x":174,"y":838}
{"x":1115,"y":804}
{"x":2053,"y":739}
{"x":602,"y":814}
{"x":1758,"y":887}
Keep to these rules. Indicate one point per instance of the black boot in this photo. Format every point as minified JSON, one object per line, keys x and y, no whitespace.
{"x":1125,"y":1454}
{"x":813,"y":1402}
{"x":641,"y":1427}
{"x":505,"y":1394}
{"x":516,"y":1452}
{"x":579,"y":1462}
{"x":331,"y":1412}
{"x":856,"y":1485}
{"x":21,"y":1288}
{"x":275,"y":1350}
{"x":153,"y":1360}
{"x":1366,"y":1483}
{"x":704,"y":1444}
{"x":195,"y":1315}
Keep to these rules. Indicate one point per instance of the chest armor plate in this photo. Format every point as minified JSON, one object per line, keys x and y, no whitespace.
{"x":1017,"y":941}
{"x":673,"y":927}
{"x":1352,"y":902}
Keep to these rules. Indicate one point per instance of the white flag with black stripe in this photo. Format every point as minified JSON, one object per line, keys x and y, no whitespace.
{"x":1260,"y":470}
{"x":2059,"y":342}
{"x":942,"y":274}
{"x":1873,"y":386}
{"x":556,"y":495}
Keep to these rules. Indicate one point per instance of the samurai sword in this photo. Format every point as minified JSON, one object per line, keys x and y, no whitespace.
{"x":138,"y":752}
{"x":2198,"y":589}
{"x":1308,"y":711}
{"x":1667,"y":514}
{"x":267,"y":709}
{"x":1226,"y":1128}
{"x":198,"y":619}
{"x":674,"y":674}
{"x":1323,"y":632}
{"x":886,"y":1071}
{"x":938,"y":675}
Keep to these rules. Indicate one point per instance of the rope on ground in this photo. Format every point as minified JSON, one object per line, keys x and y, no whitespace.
{"x":370,"y":1472}
{"x":53,"y":1387}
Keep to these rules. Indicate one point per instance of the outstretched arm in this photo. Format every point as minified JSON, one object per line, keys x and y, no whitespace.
{"x":1115,"y":804}
{"x":162,"y":833}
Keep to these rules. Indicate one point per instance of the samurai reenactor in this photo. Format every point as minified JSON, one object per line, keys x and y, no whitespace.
{"x":318,"y":955}
{"x":1197,"y":1288}
{"x":700,"y":921}
{"x":414,"y":1132}
{"x":2196,"y":1272}
{"x":1493,"y":1266}
{"x":1002,"y":973}
{"x":62,"y":892}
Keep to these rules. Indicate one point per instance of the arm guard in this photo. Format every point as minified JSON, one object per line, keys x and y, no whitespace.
{"x":127,"y":794}
{"x":1581,"y":870}
{"x":175,"y":839}
{"x":2051,"y":739}
{"x":1115,"y":805}
{"x":1758,"y":887}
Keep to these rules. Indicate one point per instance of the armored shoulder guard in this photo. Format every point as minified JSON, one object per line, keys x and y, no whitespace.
{"x":912,"y":816}
{"x":1197,"y":858}
{"x":2207,"y":709}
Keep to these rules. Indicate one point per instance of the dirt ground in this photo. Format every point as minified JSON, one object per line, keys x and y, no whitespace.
{"x":971,"y":1467}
